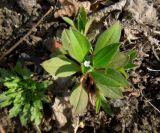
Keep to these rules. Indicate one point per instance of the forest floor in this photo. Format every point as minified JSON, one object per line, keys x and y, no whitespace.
{"x":137,"y":112}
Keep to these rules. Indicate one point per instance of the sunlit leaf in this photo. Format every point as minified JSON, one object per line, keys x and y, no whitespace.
{"x":117,"y":76}
{"x":119,"y":61}
{"x":69,"y":21}
{"x":60,"y":66}
{"x":88,"y":24}
{"x":65,"y":40}
{"x":122,"y":70}
{"x":80,"y":45}
{"x":110,"y":92}
{"x":110,"y":36}
{"x":105,"y":79}
{"x":82,"y":19}
{"x":79,"y":99}
{"x":104,"y":56}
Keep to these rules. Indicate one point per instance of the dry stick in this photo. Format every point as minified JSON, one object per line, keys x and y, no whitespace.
{"x":27,"y":34}
{"x":150,"y":102}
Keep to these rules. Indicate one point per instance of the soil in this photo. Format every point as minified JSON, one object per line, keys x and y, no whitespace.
{"x":137,"y":112}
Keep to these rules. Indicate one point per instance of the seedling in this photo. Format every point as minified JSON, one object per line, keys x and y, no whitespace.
{"x":82,"y":23}
{"x":24,"y":95}
{"x":100,"y":70}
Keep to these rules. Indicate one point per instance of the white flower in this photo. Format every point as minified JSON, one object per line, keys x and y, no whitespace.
{"x":87,"y":63}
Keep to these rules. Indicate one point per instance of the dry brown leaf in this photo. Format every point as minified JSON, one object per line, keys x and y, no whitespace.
{"x":59,"y":108}
{"x":142,"y":12}
{"x":71,"y":7}
{"x":27,"y":5}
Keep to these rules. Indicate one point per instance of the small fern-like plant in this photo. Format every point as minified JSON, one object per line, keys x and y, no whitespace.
{"x":100,"y":68}
{"x":23,"y":94}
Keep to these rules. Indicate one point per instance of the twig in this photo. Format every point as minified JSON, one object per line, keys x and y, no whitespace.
{"x":103,"y":12}
{"x":27,"y":34}
{"x":153,"y":70}
{"x":149,"y":102}
{"x":155,"y":53}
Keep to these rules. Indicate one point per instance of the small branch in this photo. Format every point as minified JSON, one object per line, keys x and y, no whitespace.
{"x":149,"y":102}
{"x":153,"y":70}
{"x":26,"y":35}
{"x":155,"y":53}
{"x":103,"y":12}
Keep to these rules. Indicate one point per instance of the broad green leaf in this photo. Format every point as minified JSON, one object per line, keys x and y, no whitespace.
{"x":65,"y":40}
{"x":119,"y":61}
{"x":110,"y":36}
{"x":88,"y":24}
{"x":105,"y":79}
{"x":69,"y":21}
{"x":82,"y":20}
{"x":80,"y":45}
{"x":118,"y":77}
{"x":105,"y":105}
{"x":60,"y":66}
{"x":105,"y":56}
{"x":110,"y":92}
{"x":79,"y":99}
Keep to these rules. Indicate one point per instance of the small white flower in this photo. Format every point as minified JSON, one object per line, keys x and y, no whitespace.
{"x":87,"y":63}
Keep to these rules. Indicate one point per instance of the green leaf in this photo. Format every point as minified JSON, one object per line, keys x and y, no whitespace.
{"x":119,"y":61}
{"x":110,"y":36}
{"x":117,"y":76}
{"x":85,"y":69}
{"x":98,"y":104}
{"x":22,"y":70}
{"x":60,"y":66}
{"x":15,"y":110}
{"x":105,"y":105}
{"x":69,"y":21}
{"x":5,"y":100}
{"x":80,"y":45}
{"x":105,"y":56}
{"x":79,"y":99}
{"x":130,"y":66}
{"x":110,"y":92}
{"x":36,"y":115}
{"x":5,"y":73}
{"x":132,"y":54}
{"x":105,"y":79}
{"x":66,"y":42}
{"x":26,"y":114}
{"x":122,"y":70}
{"x":88,"y":24}
{"x":82,"y":20}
